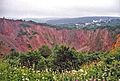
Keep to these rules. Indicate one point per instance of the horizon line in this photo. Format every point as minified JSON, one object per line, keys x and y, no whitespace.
{"x":52,"y":17}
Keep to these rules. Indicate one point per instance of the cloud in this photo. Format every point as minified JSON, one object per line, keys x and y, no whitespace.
{"x":59,"y":8}
{"x":1,"y":7}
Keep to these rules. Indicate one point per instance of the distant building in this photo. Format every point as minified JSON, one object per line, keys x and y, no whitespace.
{"x":98,"y":24}
{"x":95,"y":21}
{"x":87,"y":23}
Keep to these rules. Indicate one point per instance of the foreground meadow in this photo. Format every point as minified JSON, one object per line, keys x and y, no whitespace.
{"x":60,"y":63}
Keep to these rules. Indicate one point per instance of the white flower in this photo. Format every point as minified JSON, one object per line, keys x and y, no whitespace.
{"x":90,"y":79}
{"x":38,"y":71}
{"x":27,"y":79}
{"x":23,"y":79}
{"x":33,"y":71}
{"x":54,"y":77}
{"x":46,"y":70}
{"x":23,"y":67}
{"x":43,"y":77}
{"x":37,"y":80}
{"x":15,"y":68}
{"x":74,"y":71}
{"x":99,"y":79}
{"x":85,"y":73}
{"x":24,"y":74}
{"x":67,"y":71}
{"x":81,"y":70}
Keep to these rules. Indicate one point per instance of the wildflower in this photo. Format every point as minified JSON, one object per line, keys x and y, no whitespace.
{"x":81,"y":70}
{"x":46,"y":70}
{"x":37,"y":80}
{"x":67,"y":71}
{"x":27,"y":79}
{"x":103,"y":79}
{"x":33,"y":71}
{"x":38,"y":71}
{"x":74,"y":71}
{"x":23,"y":67}
{"x":23,"y":79}
{"x":94,"y":80}
{"x":54,"y":77}
{"x":90,"y":79}
{"x":99,"y":79}
{"x":15,"y":68}
{"x":24,"y":74}
{"x":85,"y":73}
{"x":43,"y":77}
{"x":50,"y":69}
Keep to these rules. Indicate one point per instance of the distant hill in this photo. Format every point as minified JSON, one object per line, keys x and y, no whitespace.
{"x":39,"y":20}
{"x":78,"y":20}
{"x":85,"y":22}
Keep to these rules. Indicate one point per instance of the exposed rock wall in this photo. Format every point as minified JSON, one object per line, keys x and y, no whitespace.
{"x":24,"y":36}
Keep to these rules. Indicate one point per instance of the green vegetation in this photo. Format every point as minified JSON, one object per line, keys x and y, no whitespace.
{"x":22,"y":32}
{"x":29,"y":46}
{"x":30,"y":34}
{"x":25,"y":25}
{"x":45,"y":51}
{"x":34,"y":32}
{"x":60,"y":63}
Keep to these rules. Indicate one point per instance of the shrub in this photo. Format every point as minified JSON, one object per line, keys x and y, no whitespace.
{"x":65,"y":58}
{"x":45,"y":51}
{"x":25,"y":25}
{"x":21,"y":32}
{"x":30,"y":60}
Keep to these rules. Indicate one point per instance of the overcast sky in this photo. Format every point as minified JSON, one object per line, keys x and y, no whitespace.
{"x":58,"y":8}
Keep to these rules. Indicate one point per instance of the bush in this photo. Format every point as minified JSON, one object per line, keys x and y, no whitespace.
{"x":30,"y":60}
{"x":25,"y":25}
{"x":65,"y":58}
{"x":45,"y":51}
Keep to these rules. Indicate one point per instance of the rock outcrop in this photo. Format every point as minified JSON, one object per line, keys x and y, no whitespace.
{"x":24,"y":36}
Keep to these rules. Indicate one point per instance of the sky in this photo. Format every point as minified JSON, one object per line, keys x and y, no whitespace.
{"x":58,"y":8}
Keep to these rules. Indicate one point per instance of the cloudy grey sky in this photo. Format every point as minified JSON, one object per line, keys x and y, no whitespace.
{"x":58,"y":8}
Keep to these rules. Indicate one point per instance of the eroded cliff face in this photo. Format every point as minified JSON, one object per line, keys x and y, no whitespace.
{"x":117,"y":43}
{"x":24,"y":36}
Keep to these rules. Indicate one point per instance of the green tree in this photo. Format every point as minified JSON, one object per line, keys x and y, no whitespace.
{"x":45,"y":51}
{"x":13,"y":58}
{"x":30,"y":59}
{"x":65,"y":58}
